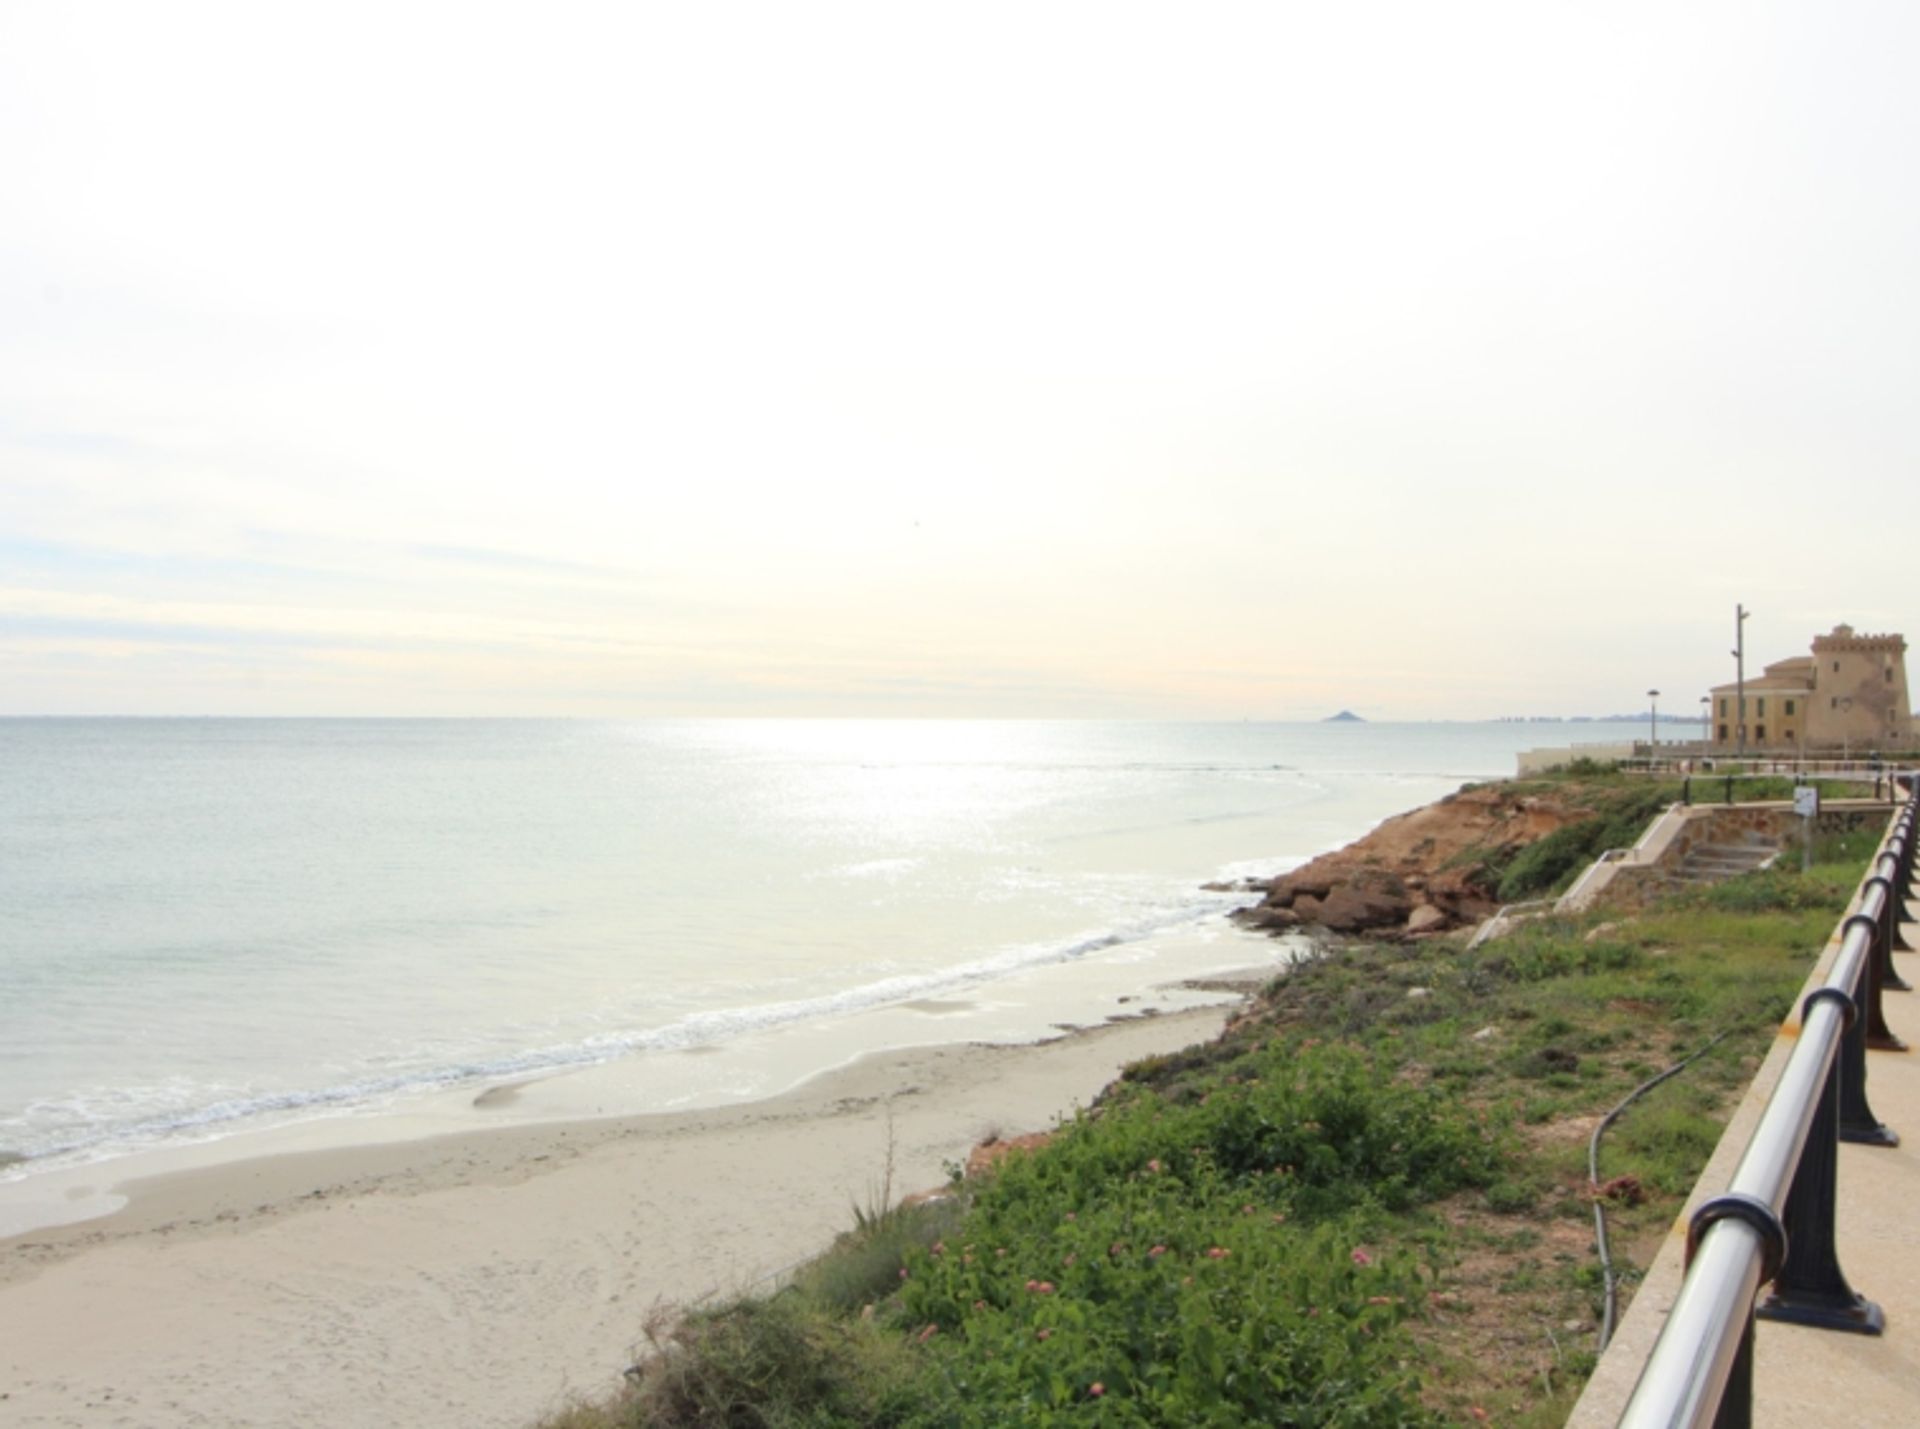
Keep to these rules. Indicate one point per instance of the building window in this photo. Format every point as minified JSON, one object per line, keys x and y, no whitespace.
{"x":1889,"y":674}
{"x":1723,"y":712}
{"x":1760,"y":734}
{"x":1833,"y":702}
{"x":1723,"y":728}
{"x":1763,"y":706}
{"x":1836,"y":667}
{"x":1789,"y":706}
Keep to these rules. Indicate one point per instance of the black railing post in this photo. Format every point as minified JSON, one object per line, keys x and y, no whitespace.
{"x":1858,"y":1124}
{"x":1811,"y":1289}
{"x":1889,"y":938}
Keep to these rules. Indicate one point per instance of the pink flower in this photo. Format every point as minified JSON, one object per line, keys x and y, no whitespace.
{"x":1279,"y":1219}
{"x":1154,"y":1165}
{"x":903,"y":1272}
{"x":939,"y":1248}
{"x":979,"y":1304}
{"x":1247,"y":1209}
{"x":1096,"y":1389}
{"x":1157,"y":1251}
{"x":1379,"y":1299}
{"x":927,"y":1333}
{"x":1046,"y":1287}
{"x":1071,"y":1257}
{"x":1218,"y":1253}
{"x":1032,"y":1285}
{"x":1043,"y":1334}
{"x":1360,"y":1256}
{"x":1073,"y":1215}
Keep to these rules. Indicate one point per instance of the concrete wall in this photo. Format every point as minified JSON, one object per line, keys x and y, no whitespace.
{"x":1540,"y":761}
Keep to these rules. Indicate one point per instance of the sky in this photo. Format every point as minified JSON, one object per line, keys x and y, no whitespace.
{"x":1026,"y":360}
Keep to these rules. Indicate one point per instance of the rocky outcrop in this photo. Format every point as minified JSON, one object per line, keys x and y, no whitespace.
{"x":1417,"y":874}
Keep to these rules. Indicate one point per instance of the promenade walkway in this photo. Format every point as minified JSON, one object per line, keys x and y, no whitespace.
{"x":1803,"y":1377}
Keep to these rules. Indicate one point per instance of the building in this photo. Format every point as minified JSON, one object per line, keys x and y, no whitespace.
{"x":1848,"y":696}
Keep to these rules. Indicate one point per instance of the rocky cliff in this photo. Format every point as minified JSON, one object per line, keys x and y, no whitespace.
{"x":1421,"y":872}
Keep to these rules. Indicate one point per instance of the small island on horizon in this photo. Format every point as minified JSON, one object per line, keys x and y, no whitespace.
{"x":1344,"y":717}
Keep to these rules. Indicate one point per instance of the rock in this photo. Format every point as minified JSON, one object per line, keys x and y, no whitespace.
{"x":1426,"y":919}
{"x":1367,"y":902}
{"x":1419,"y":992}
{"x":1600,"y":932}
{"x":1307,"y":908}
{"x":1268,"y":917}
{"x":988,"y":1154}
{"x":1485,"y":1033}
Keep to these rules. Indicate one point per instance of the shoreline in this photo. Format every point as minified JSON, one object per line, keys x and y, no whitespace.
{"x":482,"y":1276}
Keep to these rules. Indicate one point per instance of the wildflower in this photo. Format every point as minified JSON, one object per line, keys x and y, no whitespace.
{"x":927,"y":1333}
{"x":1096,"y":1389}
{"x":1073,"y":1215}
{"x":903,"y":1272}
{"x":1218,"y":1253}
{"x":1477,"y":1412}
{"x":1116,"y":1248}
{"x":1071,"y":1257}
{"x":1360,"y":1256}
{"x":999,"y":1252}
{"x":1247,"y":1209}
{"x":1154,"y":1166}
{"x":1043,"y":1334}
{"x":1157,"y":1251}
{"x":1046,"y":1287}
{"x":1032,"y":1285}
{"x":1279,"y":1218}
{"x":939,"y":1248}
{"x":979,"y":1304}
{"x":1380,"y":1299}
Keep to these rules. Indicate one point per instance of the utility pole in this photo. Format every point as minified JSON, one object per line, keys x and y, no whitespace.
{"x":1653,"y":726}
{"x":1740,"y":614}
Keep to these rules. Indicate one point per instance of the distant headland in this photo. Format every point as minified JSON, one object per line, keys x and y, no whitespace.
{"x":1344,"y":717}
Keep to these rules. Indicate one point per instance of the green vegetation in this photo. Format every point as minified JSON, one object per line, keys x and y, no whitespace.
{"x":1365,"y":1205}
{"x":1617,"y":807}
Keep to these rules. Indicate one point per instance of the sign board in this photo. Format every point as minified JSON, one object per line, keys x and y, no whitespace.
{"x":1806,"y":801}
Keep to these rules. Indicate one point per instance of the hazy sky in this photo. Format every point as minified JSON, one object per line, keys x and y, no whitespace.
{"x":1037,"y":359}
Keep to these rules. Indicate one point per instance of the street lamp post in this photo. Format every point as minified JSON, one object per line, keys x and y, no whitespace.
{"x":1653,"y":723}
{"x":1706,"y":710}
{"x":1740,"y":614}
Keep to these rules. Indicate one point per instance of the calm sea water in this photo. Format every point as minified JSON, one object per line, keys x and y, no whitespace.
{"x":208,"y":922}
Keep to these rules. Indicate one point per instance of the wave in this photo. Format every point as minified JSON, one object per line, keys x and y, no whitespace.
{"x":228,"y":1115}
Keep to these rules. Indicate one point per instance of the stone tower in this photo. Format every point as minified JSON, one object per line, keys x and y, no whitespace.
{"x":1859,"y":695}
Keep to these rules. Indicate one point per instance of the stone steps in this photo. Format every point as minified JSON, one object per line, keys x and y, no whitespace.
{"x":1716,"y":863}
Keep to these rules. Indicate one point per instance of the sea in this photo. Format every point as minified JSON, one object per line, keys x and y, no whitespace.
{"x":208,"y":926}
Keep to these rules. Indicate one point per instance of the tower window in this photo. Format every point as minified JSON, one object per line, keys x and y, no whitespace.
{"x":1789,"y":706}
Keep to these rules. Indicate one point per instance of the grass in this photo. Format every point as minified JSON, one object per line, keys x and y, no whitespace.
{"x":1366,"y":1204}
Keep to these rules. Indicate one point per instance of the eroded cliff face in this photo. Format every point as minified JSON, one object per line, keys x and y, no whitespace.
{"x":1420,"y":872}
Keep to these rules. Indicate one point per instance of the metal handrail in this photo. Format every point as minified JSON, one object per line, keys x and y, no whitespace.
{"x":1775,"y":1221}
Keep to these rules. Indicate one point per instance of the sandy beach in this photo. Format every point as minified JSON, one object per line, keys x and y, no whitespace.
{"x":485,"y":1276}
